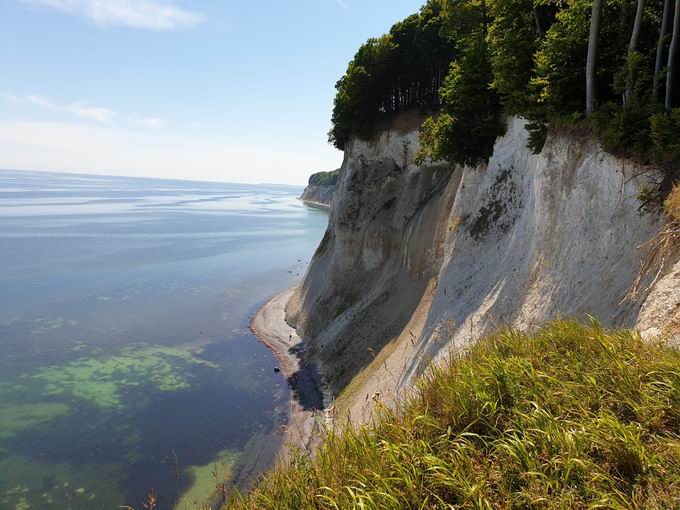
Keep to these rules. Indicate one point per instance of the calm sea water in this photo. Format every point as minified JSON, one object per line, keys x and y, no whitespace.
{"x":126,"y":363}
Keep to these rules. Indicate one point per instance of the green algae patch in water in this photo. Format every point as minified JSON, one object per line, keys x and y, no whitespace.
{"x":205,"y":479}
{"x":27,"y":484}
{"x":47,"y":324}
{"x":101,"y":381}
{"x":148,"y":273}
{"x":14,"y":419}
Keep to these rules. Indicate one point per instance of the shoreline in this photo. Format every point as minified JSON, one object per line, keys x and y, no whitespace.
{"x":316,"y":205}
{"x":306,"y":413}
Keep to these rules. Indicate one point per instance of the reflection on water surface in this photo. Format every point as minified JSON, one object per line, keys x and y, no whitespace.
{"x":123,"y":335}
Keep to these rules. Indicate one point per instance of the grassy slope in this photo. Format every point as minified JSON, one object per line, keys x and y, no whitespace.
{"x":571,"y":417}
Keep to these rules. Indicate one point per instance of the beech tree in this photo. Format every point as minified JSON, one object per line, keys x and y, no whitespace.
{"x":400,"y":70}
{"x":470,"y":119}
{"x":632,"y":46}
{"x":660,"y":46}
{"x":672,"y":57}
{"x":637,"y":26}
{"x":591,"y":63}
{"x":470,"y":62}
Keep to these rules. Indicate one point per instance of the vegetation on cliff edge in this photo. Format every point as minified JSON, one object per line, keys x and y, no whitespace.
{"x":324,"y":178}
{"x":573,"y":416}
{"x":475,"y":60}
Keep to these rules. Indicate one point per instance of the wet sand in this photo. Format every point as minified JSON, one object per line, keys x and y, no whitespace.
{"x":307,"y":416}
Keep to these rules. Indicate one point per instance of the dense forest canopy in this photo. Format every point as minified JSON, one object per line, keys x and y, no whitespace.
{"x":324,"y":178}
{"x":606,"y":64}
{"x":402,"y":69}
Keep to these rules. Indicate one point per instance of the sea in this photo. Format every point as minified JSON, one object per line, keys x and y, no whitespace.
{"x":126,"y":363}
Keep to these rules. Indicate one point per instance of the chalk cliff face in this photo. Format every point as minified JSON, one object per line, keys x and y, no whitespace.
{"x":319,"y":195}
{"x":419,"y":260}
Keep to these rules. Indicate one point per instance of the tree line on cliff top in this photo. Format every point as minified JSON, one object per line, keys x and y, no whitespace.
{"x":606,"y":64}
{"x":324,"y":178}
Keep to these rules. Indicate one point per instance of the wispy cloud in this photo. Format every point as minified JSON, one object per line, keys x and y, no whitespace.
{"x":42,"y":101}
{"x":103,"y":115}
{"x":84,"y":110}
{"x":142,"y":14}
{"x":148,"y":122}
{"x":341,"y":3}
{"x":65,"y":146}
{"x":10,"y":98}
{"x":79,"y":109}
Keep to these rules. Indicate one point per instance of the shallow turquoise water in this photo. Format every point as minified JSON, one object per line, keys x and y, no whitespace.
{"x":125,"y":356}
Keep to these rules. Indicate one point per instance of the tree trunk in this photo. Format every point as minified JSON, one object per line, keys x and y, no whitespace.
{"x":623,"y":18}
{"x":660,"y":47}
{"x":637,"y":26}
{"x":671,"y":56}
{"x":634,"y":38}
{"x":537,"y":20}
{"x":591,"y":62}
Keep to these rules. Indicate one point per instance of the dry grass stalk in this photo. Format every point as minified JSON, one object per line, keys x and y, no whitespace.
{"x":661,"y":248}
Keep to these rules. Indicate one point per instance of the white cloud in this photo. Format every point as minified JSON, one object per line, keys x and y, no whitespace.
{"x":148,"y":122}
{"x":42,"y":101}
{"x":142,"y":14}
{"x":84,"y":110}
{"x":70,"y":147}
{"x":103,"y":115}
{"x":10,"y":98}
{"x":79,"y":109}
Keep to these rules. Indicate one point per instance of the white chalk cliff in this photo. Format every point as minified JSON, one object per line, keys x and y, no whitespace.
{"x":318,"y":195}
{"x":420,"y":259}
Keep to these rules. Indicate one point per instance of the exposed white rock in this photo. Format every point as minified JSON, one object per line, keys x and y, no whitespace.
{"x":660,"y":314}
{"x":320,"y":196}
{"x":418,"y":260}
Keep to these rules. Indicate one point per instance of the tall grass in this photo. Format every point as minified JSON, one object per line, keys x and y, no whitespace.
{"x":571,"y":417}
{"x":662,"y":248}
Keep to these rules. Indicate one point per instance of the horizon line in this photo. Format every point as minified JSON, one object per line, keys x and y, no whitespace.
{"x":81,"y":174}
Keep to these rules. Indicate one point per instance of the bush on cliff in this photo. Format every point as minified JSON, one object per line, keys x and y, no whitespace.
{"x":571,"y":417}
{"x":324,"y":178}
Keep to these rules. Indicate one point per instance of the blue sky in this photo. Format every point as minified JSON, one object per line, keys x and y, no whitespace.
{"x":223,"y":90}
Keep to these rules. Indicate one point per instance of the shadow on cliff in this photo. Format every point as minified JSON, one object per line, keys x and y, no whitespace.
{"x":306,"y":382}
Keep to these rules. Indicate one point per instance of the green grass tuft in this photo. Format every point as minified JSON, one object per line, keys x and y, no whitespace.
{"x":573,"y":416}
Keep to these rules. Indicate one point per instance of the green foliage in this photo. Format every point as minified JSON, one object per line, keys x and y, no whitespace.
{"x":665,"y":131}
{"x":627,"y":129}
{"x":358,"y":93}
{"x":558,"y":82}
{"x":512,"y":40}
{"x":518,"y":57}
{"x":624,"y":130}
{"x":324,"y":178}
{"x":571,"y":417}
{"x":649,"y":200}
{"x":538,"y":134}
{"x":471,"y":113}
{"x":400,"y":70}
